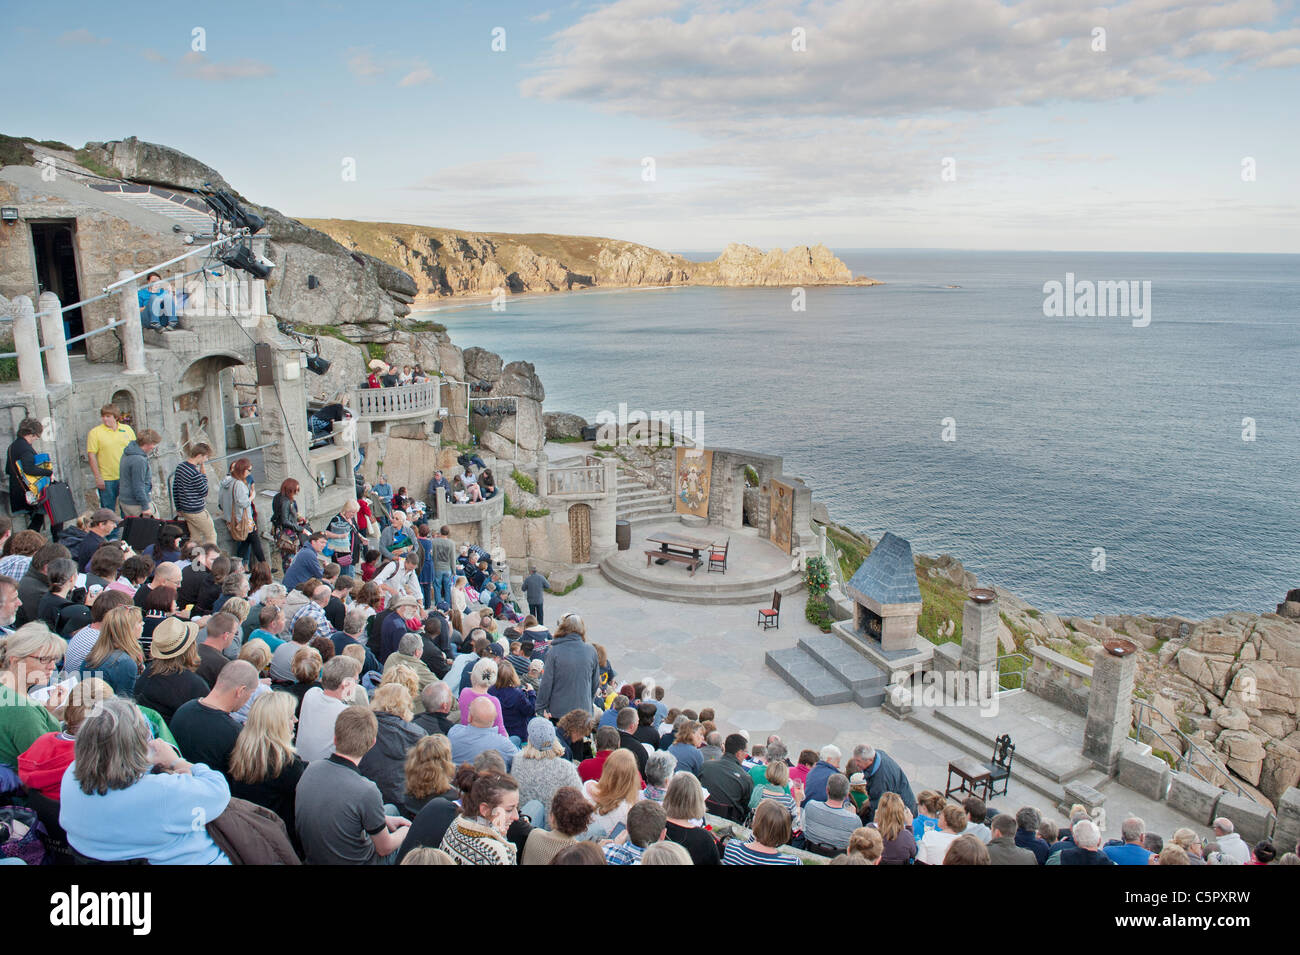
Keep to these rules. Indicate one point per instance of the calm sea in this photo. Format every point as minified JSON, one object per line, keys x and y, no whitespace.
{"x":1071,"y":434}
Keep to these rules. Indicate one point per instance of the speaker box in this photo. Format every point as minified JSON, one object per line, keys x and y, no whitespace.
{"x":262,"y":358}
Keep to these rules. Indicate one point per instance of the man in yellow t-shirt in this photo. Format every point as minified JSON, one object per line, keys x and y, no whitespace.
{"x":104,"y":447}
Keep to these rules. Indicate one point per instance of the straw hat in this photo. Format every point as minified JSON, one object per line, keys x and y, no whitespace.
{"x":172,"y":637}
{"x":378,"y":364}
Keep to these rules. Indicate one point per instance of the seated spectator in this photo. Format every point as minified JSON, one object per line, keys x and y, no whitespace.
{"x":1065,"y":839}
{"x":646,"y":824}
{"x":339,"y":815}
{"x":684,"y":807}
{"x":270,"y":625}
{"x":481,"y":734}
{"x":55,"y":609}
{"x":1087,"y":845}
{"x":1131,"y":851}
{"x":569,"y":816}
{"x":965,"y":849}
{"x":113,"y":808}
{"x":116,"y":654}
{"x":264,"y":768}
{"x":439,"y":812}
{"x":686,"y":747}
{"x":479,"y":835}
{"x":799,"y":771}
{"x":28,"y":659}
{"x":204,"y":728}
{"x":1027,"y":822}
{"x":868,"y":843}
{"x":1230,"y":843}
{"x":410,"y":653}
{"x":617,"y":791}
{"x":929,"y":805}
{"x":482,"y":677}
{"x":385,"y":763}
{"x":727,"y":781}
{"x":776,"y":788}
{"x":42,"y":765}
{"x":255,"y":653}
{"x":607,"y":741}
{"x":647,"y":731}
{"x":934,"y":844}
{"x":712,"y":748}
{"x":436,"y":701}
{"x":895,"y":831}
{"x":219,"y":632}
{"x":659,"y":768}
{"x":307,"y":666}
{"x":541,"y":770}
{"x":282,"y":658}
{"x":573,"y":732}
{"x":321,"y":707}
{"x":429,"y":773}
{"x":518,"y":704}
{"x":1002,"y":847}
{"x":1190,"y":844}
{"x":170,"y":680}
{"x":81,"y":642}
{"x":828,"y":764}
{"x":627,"y":721}
{"x":827,"y":824}
{"x":771,"y":831}
{"x":666,"y":853}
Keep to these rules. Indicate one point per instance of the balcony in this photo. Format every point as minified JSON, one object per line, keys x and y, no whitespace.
{"x":394,"y":404}
{"x":583,"y":480}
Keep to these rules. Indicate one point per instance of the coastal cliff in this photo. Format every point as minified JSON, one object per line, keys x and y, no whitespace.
{"x":447,"y":263}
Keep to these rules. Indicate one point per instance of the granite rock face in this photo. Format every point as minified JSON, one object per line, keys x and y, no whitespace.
{"x":561,"y":424}
{"x":157,"y":165}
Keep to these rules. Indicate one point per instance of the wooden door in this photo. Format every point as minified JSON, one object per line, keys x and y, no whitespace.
{"x":580,"y":533}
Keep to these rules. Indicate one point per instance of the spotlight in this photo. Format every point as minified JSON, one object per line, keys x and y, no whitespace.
{"x":317,"y":365}
{"x":227,"y":207}
{"x":242,"y":257}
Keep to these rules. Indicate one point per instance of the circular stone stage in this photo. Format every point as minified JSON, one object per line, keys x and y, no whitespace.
{"x":755,"y":567}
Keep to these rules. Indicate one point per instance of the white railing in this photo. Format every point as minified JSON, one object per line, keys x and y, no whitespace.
{"x":579,"y":480}
{"x":404,"y":401}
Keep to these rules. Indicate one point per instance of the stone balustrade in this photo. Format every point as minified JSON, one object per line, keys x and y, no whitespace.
{"x":1057,"y":678}
{"x":575,"y":480}
{"x":393,"y":404}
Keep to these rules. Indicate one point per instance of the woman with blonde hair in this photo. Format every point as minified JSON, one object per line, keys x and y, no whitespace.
{"x":665,"y":853}
{"x":891,"y":821}
{"x":264,"y":767}
{"x":429,"y":774}
{"x":306,"y":669}
{"x":617,"y":790}
{"x":116,"y":655}
{"x":385,"y":763}
{"x":482,"y":677}
{"x":257,"y":652}
{"x":239,"y":608}
{"x":42,"y":766}
{"x":403,"y":675}
{"x":459,"y":599}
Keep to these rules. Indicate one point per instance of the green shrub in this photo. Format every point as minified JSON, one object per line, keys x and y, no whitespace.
{"x":526,"y":484}
{"x":751,"y":476}
{"x":817,"y":611}
{"x":571,"y":588}
{"x":817,"y":576}
{"x":8,"y":366}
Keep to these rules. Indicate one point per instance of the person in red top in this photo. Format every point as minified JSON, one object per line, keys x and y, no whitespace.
{"x":607,"y":741}
{"x":42,"y":766}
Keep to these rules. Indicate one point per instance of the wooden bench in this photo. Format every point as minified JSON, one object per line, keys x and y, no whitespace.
{"x":692,"y":562}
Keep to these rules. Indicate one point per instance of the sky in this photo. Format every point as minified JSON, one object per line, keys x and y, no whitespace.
{"x":1040,"y":125}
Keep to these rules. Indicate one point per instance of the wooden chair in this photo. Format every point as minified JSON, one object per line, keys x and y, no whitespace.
{"x":718,"y":558}
{"x":769,"y":617}
{"x":999,"y":766}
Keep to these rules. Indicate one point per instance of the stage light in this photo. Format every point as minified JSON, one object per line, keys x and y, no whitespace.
{"x":242,"y":257}
{"x":227,"y":207}
{"x":317,"y":365}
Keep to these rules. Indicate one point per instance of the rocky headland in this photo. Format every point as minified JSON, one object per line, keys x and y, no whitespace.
{"x":447,"y":263}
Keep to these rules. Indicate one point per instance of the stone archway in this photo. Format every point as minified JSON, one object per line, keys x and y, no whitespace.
{"x":200,"y":405}
{"x":580,"y":533}
{"x":125,"y":402}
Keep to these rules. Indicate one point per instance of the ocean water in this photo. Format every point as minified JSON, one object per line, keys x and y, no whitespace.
{"x":1071,"y":434}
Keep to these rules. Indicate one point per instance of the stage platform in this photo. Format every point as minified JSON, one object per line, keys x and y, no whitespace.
{"x":754,"y":568}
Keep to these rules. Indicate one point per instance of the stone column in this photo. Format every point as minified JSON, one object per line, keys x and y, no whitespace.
{"x":56,"y":340}
{"x":130,"y":331}
{"x":979,"y":631}
{"x":1110,"y":704}
{"x":27,"y":343}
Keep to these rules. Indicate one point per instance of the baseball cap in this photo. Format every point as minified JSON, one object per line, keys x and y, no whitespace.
{"x":104,"y":515}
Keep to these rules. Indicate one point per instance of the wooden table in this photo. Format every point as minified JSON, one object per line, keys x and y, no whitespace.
{"x":973,"y":777}
{"x":674,"y":547}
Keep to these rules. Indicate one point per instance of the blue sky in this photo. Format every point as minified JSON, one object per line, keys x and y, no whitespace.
{"x":1055,"y":145}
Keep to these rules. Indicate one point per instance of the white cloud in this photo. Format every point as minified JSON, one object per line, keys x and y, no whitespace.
{"x":513,"y":171}
{"x":199,"y":66}
{"x":540,"y":17}
{"x":417,"y":77}
{"x":361,"y":64}
{"x":82,"y":37}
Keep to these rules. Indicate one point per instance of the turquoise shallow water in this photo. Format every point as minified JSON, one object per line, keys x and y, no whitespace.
{"x":1071,"y":433}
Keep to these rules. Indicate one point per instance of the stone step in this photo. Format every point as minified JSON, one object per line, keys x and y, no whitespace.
{"x":639,"y":509}
{"x":704,"y":581}
{"x":642,"y":494}
{"x":1022,"y":776}
{"x":855,"y":670}
{"x":1039,"y":748}
{"x":649,"y":517}
{"x":809,"y":677}
{"x":707,"y":593}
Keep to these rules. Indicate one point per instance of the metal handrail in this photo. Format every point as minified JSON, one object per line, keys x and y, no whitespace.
{"x":1020,"y":673}
{"x":1183,"y":763}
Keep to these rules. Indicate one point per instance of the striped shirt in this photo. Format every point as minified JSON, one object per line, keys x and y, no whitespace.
{"x":738,"y":854}
{"x":317,"y":613}
{"x":15,"y":565}
{"x":189,"y":489}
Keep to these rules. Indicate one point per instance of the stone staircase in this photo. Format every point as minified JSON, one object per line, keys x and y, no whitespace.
{"x":824,"y":669}
{"x":638,"y":504}
{"x":1044,"y":759}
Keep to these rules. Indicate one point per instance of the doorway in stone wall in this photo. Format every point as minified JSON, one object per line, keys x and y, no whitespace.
{"x":580,"y":533}
{"x":125,"y":402}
